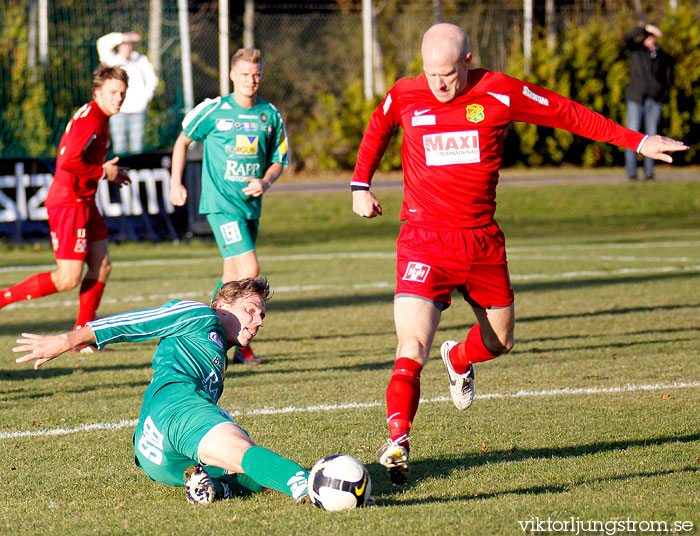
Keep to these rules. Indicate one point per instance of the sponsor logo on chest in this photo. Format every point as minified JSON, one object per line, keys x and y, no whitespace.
{"x":246,"y":145}
{"x":247,"y":127}
{"x":211,"y":384}
{"x":224,"y":125}
{"x":216,"y":339}
{"x":475,"y":113}
{"x":449,"y":148}
{"x":421,"y":118}
{"x":240,"y":171}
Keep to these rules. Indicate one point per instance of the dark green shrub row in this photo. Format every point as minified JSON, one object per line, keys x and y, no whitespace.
{"x":590,"y":65}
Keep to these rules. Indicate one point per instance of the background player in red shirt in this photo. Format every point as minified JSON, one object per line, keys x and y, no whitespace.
{"x":454,"y":119}
{"x":78,"y":231}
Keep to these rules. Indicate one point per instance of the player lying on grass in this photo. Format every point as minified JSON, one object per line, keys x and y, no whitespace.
{"x":180,"y":428}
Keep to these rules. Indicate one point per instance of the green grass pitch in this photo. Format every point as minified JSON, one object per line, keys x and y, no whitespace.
{"x":592,"y":418}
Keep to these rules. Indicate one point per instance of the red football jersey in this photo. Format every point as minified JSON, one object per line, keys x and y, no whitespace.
{"x":452,"y":151}
{"x":81,"y":153}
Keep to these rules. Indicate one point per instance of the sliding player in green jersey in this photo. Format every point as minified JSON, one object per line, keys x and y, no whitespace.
{"x":180,"y":428}
{"x":245,"y":151}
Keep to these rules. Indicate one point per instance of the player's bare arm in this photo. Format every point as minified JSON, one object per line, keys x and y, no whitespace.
{"x":44,"y":348}
{"x":256,"y":187}
{"x":365,"y":204}
{"x":115,"y":173}
{"x":657,"y":146}
{"x":178,"y":192}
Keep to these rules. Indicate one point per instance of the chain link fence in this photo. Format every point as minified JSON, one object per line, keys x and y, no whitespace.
{"x":314,"y":53}
{"x":307,"y":54}
{"x":40,"y":91}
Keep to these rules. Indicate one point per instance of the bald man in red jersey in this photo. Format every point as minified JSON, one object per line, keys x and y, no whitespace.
{"x":453,"y":119}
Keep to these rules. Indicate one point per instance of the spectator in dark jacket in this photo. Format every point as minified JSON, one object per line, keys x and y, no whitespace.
{"x":651,"y":76}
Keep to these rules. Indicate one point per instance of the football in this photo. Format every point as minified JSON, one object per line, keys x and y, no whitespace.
{"x":339,"y":482}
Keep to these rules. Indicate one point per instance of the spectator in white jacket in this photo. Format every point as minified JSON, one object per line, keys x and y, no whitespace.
{"x":130,"y":123}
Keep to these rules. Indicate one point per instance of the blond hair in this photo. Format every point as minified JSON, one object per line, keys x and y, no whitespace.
{"x":233,"y":290}
{"x":250,"y":54}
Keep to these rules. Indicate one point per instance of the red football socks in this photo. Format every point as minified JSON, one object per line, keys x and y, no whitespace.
{"x":470,"y":351}
{"x":89,"y":300}
{"x":402,"y":396}
{"x":35,"y":287}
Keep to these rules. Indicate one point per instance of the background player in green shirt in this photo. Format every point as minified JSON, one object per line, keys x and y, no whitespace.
{"x":245,"y":151}
{"x":181,"y":430}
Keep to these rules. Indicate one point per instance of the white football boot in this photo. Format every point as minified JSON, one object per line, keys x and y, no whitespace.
{"x":461,"y":385}
{"x":394,"y":457}
{"x":199,"y":486}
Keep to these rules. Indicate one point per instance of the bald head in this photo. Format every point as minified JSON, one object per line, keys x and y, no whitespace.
{"x":446,"y":60}
{"x":446,"y":40}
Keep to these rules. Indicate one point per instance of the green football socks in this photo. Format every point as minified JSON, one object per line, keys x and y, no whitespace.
{"x":271,"y":470}
{"x":238,"y":485}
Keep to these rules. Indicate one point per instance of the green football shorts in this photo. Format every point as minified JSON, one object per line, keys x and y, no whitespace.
{"x":170,"y":427}
{"x":234,"y":235}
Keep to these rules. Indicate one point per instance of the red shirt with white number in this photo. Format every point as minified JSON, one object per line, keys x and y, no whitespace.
{"x":81,"y":153}
{"x":452,"y":151}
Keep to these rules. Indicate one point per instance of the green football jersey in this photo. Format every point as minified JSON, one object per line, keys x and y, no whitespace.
{"x":239,"y":143}
{"x":192,"y":347}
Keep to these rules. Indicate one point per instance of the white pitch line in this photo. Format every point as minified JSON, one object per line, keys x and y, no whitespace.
{"x":42,"y":304}
{"x":567,"y":391}
{"x":212,"y":259}
{"x":608,"y":245}
{"x":201,"y":295}
{"x":614,"y":258}
{"x":596,"y":273}
{"x":385,"y":255}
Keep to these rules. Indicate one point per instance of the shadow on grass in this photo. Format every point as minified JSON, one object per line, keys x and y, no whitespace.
{"x":537,"y":286}
{"x":15,"y":329}
{"x":536,"y":490}
{"x":588,"y":314}
{"x":277,"y":366}
{"x":524,"y":340}
{"x":32,"y":394}
{"x":386,"y":297}
{"x":279,"y":304}
{"x":345,"y":337}
{"x":613,"y":311}
{"x":607,"y":345}
{"x":25,"y":372}
{"x":442,"y":468}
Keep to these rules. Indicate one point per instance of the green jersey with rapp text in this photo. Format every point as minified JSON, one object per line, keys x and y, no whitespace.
{"x":239,"y":143}
{"x":192,"y":347}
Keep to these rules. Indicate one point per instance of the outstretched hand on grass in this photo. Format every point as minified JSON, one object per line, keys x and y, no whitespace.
{"x":43,"y":348}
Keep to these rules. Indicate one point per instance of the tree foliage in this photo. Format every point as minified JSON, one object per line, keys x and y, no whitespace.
{"x":591,"y":66}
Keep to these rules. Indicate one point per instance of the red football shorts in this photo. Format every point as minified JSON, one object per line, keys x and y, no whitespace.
{"x":431,"y":262}
{"x":73,"y":228}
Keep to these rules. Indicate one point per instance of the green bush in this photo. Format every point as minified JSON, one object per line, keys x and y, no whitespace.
{"x":24,"y":93}
{"x":332,"y":133}
{"x":591,"y":66}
